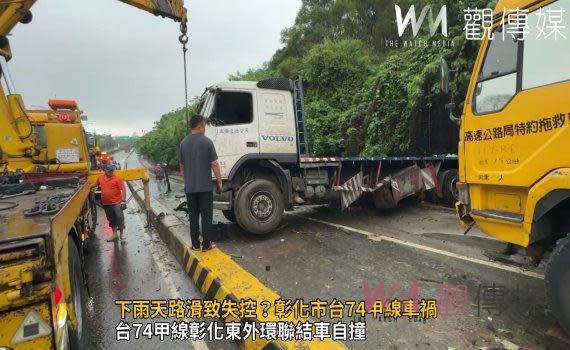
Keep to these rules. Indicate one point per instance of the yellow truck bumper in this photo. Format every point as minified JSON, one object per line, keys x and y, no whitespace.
{"x":463,"y":212}
{"x":503,"y":230}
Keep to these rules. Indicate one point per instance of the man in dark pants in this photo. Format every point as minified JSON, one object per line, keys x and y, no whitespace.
{"x":198,"y":159}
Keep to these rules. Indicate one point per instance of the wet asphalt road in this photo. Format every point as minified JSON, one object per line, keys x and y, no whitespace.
{"x":332,"y":263}
{"x":139,"y":268}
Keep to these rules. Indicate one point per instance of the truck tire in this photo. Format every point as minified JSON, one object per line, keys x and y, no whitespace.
{"x":449,"y":180}
{"x":92,"y":215}
{"x":259,"y":207}
{"x":229,"y":215}
{"x":78,"y":296}
{"x":557,"y":279}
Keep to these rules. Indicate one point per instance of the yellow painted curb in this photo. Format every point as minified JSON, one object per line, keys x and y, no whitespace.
{"x":219,"y":277}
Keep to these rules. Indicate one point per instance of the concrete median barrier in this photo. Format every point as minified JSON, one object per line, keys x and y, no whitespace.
{"x":219,"y":277}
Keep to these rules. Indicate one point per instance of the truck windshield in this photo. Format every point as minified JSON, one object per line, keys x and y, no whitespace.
{"x":498,"y":77}
{"x":232,"y":108}
{"x":516,"y":62}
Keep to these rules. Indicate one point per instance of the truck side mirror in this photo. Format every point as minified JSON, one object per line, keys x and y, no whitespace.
{"x":449,"y":107}
{"x":444,"y":76}
{"x":478,"y":89}
{"x":84,"y":118}
{"x":444,"y":73}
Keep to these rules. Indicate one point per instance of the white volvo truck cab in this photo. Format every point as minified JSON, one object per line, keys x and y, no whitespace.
{"x":250,"y":120}
{"x":253,"y":127}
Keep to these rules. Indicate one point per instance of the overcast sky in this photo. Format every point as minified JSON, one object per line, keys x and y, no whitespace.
{"x":124,"y":65}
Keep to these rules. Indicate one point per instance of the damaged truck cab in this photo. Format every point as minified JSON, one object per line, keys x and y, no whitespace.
{"x":514,"y":164}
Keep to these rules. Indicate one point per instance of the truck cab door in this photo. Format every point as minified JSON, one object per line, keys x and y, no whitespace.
{"x":277,"y":133}
{"x":232,"y":126}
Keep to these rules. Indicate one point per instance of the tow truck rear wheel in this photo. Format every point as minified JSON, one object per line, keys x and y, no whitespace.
{"x":259,"y":207}
{"x":78,"y":296}
{"x":558,"y":283}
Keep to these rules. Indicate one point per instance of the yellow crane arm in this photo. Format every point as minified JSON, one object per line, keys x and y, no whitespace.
{"x":12,"y":12}
{"x":173,"y":9}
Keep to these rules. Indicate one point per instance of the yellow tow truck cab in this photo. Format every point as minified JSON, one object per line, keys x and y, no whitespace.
{"x":60,"y":137}
{"x":46,"y":215}
{"x":514,"y":149}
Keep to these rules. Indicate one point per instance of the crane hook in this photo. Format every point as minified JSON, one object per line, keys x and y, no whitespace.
{"x":183,"y":38}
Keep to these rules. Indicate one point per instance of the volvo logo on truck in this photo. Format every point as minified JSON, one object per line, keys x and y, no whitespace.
{"x":278,"y":138}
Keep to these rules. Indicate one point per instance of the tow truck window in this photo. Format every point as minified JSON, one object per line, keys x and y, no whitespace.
{"x":497,"y":81}
{"x":545,"y":59}
{"x":232,"y":108}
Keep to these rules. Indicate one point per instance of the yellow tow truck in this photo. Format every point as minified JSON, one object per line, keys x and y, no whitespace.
{"x":46,"y":206}
{"x":514,"y":163}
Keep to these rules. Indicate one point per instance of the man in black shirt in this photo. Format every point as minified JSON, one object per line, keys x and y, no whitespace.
{"x":198,"y":159}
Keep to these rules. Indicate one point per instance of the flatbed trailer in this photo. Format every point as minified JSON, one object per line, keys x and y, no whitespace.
{"x":388,"y":180}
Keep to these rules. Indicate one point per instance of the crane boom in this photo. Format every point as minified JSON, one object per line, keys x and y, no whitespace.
{"x":173,"y":9}
{"x":14,"y":11}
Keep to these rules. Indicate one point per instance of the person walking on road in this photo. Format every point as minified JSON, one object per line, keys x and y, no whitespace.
{"x":113,"y":196}
{"x":159,"y":175}
{"x":198,"y":159}
{"x":165,"y":168}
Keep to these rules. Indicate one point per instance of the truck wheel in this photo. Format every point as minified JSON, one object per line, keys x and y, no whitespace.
{"x":449,"y":187}
{"x":78,"y":296}
{"x":558,"y":283}
{"x":229,"y":215}
{"x":259,"y":207}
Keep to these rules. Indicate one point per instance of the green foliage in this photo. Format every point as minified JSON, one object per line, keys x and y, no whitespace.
{"x":398,"y":100}
{"x":365,"y":98}
{"x":257,"y":74}
{"x":334,"y":73}
{"x":126,"y":140}
{"x":161,"y":144}
{"x":370,"y":21}
{"x":106,"y":142}
{"x":109,"y":143}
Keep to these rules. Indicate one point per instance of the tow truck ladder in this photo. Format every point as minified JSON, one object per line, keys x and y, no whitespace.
{"x":300,"y":117}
